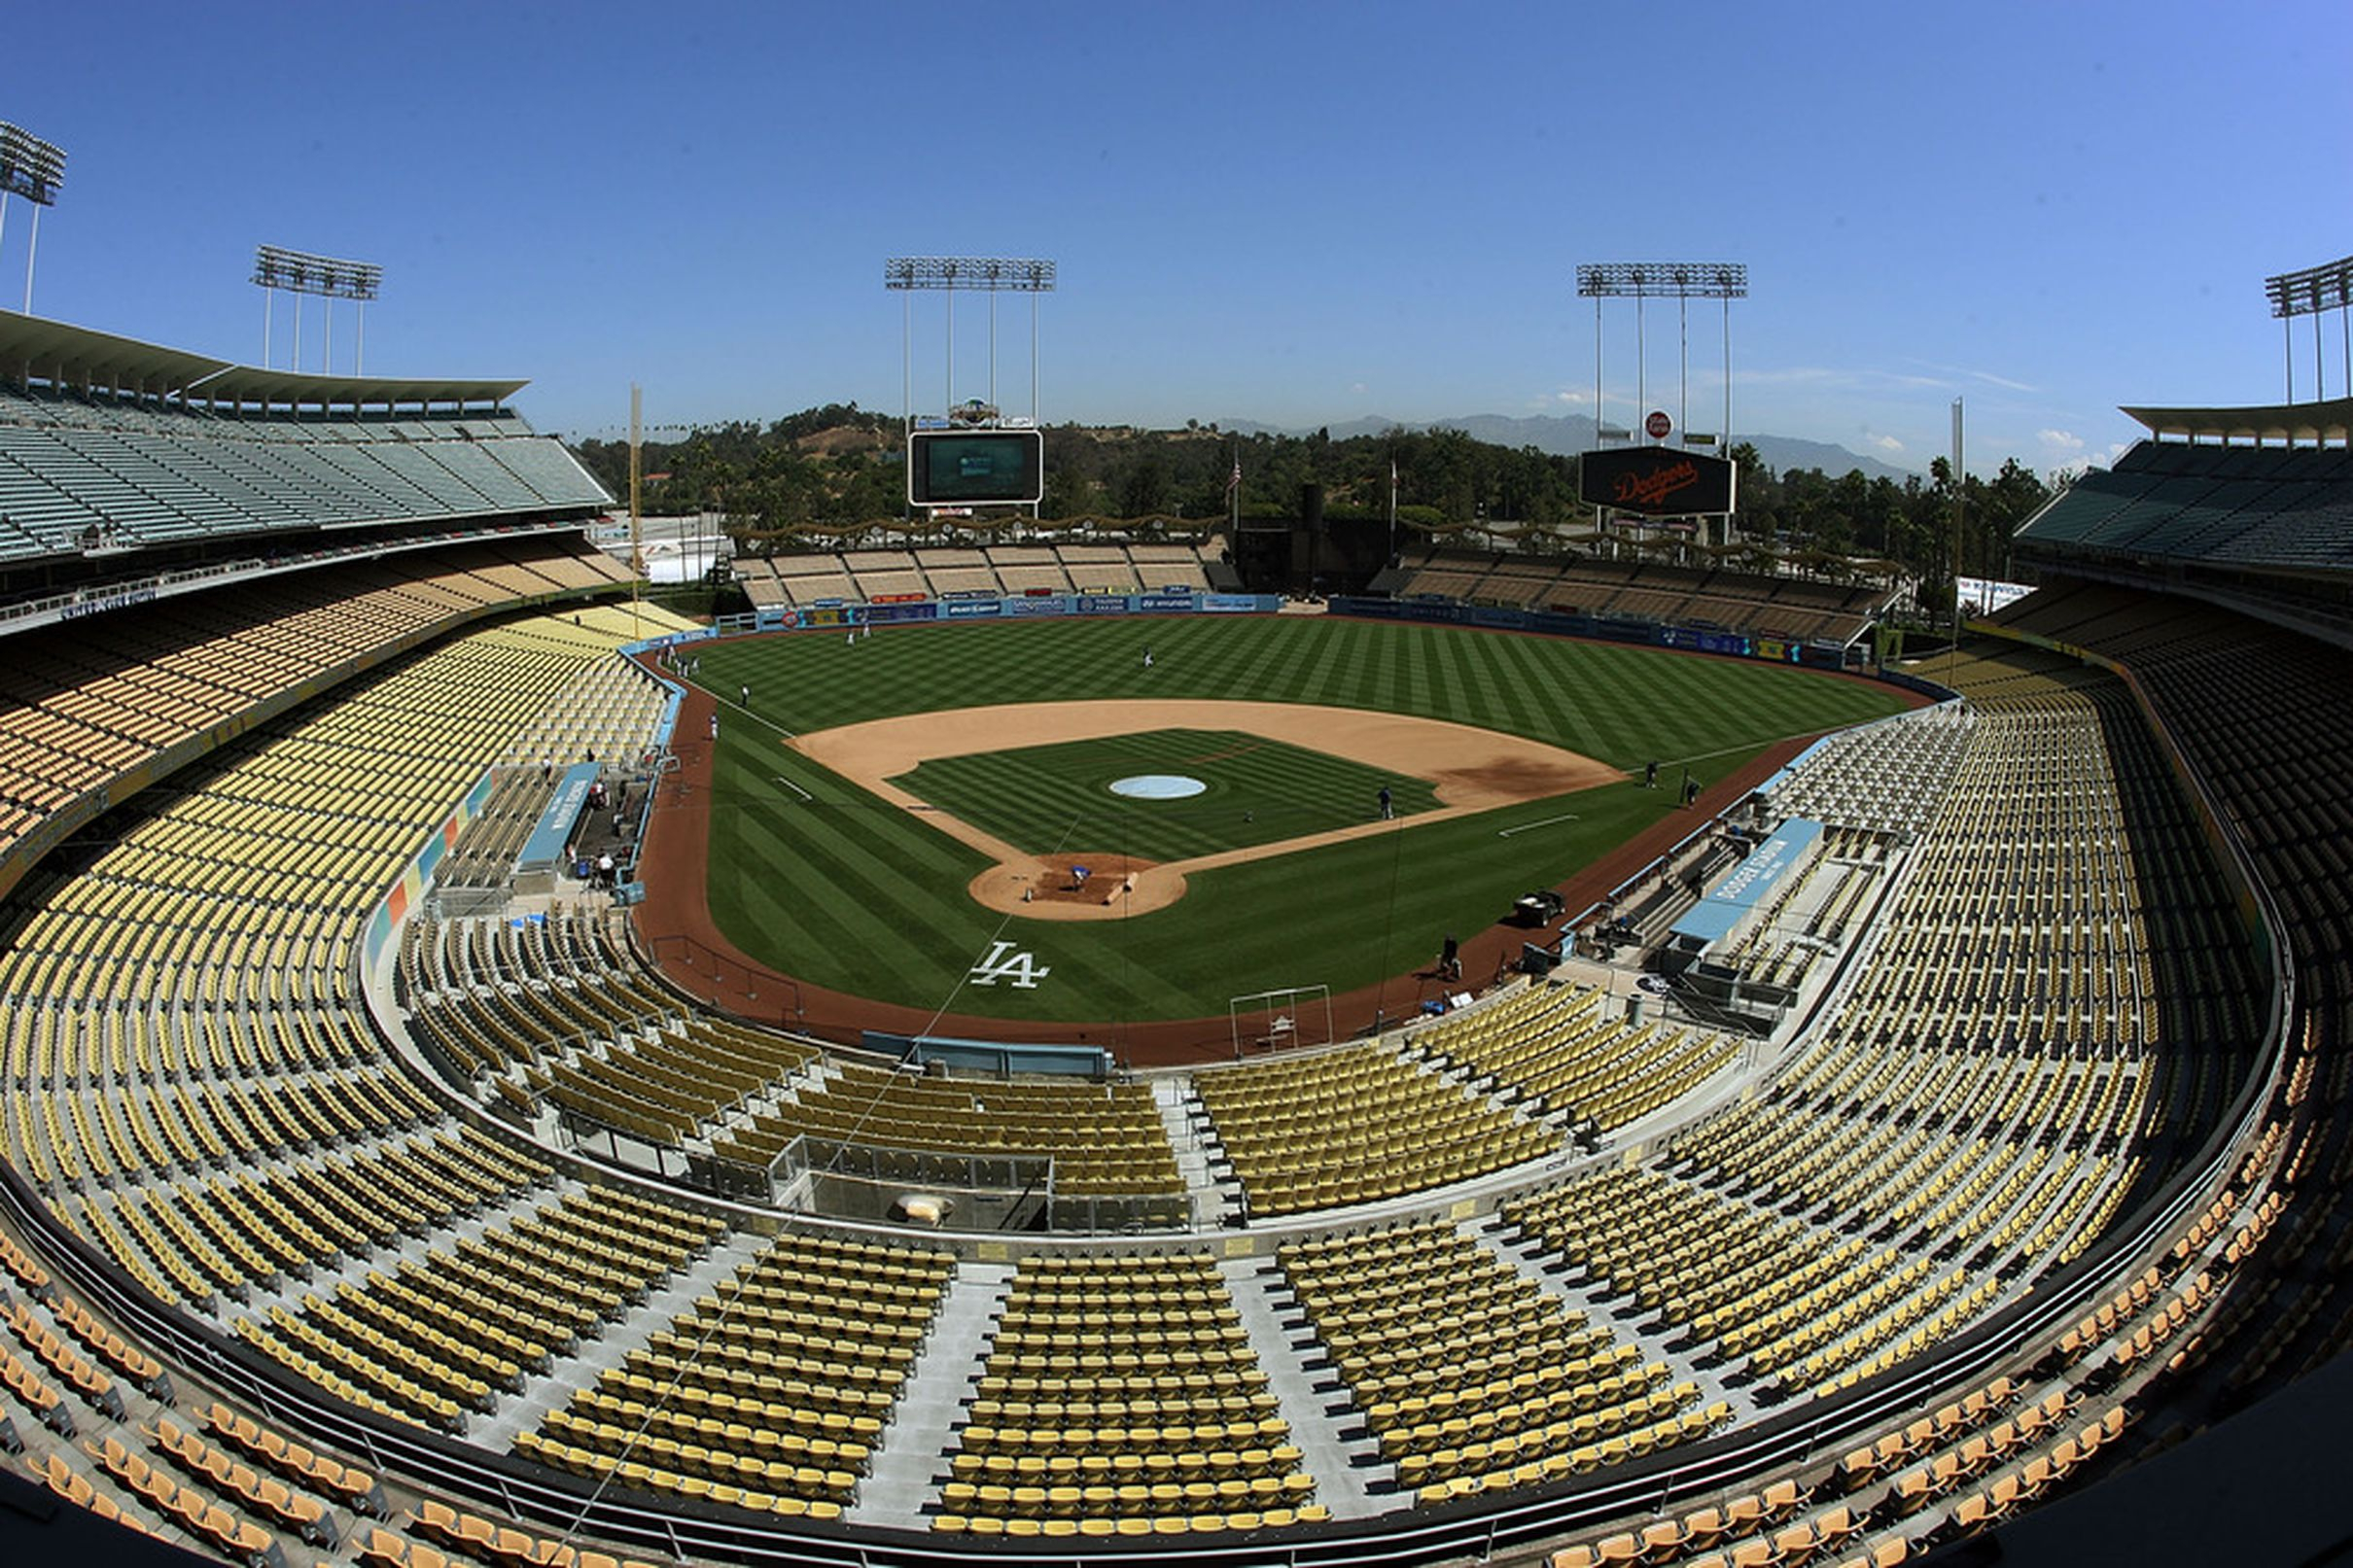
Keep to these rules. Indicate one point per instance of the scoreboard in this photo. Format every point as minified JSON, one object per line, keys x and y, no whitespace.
{"x":959,"y":467}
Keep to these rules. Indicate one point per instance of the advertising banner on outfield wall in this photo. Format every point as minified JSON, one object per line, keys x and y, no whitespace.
{"x":973,"y":609}
{"x":1705,"y":641}
{"x":1165,"y":604}
{"x":1102,"y":603}
{"x":1234,"y":603}
{"x":903,"y":612}
{"x":1054,"y":605}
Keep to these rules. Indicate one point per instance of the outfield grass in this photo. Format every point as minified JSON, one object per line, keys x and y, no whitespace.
{"x":1045,"y":799}
{"x":813,"y":877}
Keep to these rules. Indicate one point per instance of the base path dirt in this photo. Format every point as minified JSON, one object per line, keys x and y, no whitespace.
{"x":675,"y":930}
{"x":1469,"y":769}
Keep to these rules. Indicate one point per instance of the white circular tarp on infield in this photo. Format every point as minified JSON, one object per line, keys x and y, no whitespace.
{"x":1157,"y":786}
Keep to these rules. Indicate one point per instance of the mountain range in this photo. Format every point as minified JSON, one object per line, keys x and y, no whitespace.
{"x":1566,"y":434}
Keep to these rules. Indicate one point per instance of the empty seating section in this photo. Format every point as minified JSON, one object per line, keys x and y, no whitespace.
{"x":1794,"y":610}
{"x":486,"y":994}
{"x":808,"y":580}
{"x":1472,"y":1376}
{"x":1023,"y":569}
{"x":89,"y":701}
{"x":1121,"y":1397}
{"x":190,"y":1077}
{"x":2259,"y":712}
{"x":1980,"y":1100}
{"x":1105,"y":1140}
{"x":1097,"y":568}
{"x":73,"y":469}
{"x":1890,"y":776}
{"x":2250,"y":505}
{"x":1791,"y":609}
{"x":1168,"y":566}
{"x":2059,"y":1002}
{"x":772,"y":1391}
{"x":1355,"y":1124}
{"x":1549,"y":1049}
{"x":951,"y":572}
{"x":438,"y":1339}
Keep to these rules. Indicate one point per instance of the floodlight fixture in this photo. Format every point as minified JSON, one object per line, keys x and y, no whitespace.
{"x":276,"y":268}
{"x":30,"y":167}
{"x":1679,"y":281}
{"x":1016,"y":274}
{"x":34,"y":170}
{"x":2314,"y":292}
{"x":993,"y":275}
{"x":329,"y":277}
{"x":1663,"y":280}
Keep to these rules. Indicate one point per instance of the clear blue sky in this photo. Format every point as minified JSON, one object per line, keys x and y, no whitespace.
{"x":1286,"y":212}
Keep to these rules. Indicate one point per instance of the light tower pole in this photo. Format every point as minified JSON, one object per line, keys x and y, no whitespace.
{"x":300,"y":272}
{"x":993,"y":274}
{"x":1681,"y":281}
{"x":2314,"y":292}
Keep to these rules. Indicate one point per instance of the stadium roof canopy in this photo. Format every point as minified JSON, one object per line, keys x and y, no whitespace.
{"x":34,"y":350}
{"x":2324,"y":420}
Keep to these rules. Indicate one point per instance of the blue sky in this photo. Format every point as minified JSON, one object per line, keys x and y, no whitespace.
{"x":1293,"y":213}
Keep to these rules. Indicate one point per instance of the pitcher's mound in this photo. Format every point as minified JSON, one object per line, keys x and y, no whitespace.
{"x":1050,"y":886}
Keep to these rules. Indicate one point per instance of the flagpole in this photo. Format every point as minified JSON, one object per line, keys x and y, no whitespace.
{"x":1233,"y":491}
{"x":1392,"y":511}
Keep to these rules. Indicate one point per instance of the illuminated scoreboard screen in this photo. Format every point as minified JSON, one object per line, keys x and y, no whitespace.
{"x":959,"y":467}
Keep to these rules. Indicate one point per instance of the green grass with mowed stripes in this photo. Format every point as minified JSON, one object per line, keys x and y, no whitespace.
{"x":1046,"y":799}
{"x":813,"y":877}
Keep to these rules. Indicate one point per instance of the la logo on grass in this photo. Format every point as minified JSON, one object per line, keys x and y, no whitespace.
{"x":1019,"y":969}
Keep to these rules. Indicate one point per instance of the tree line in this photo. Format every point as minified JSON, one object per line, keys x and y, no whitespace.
{"x":834,"y":473}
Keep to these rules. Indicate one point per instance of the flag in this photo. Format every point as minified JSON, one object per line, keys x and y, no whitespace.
{"x":1233,"y":481}
{"x":1392,"y":474}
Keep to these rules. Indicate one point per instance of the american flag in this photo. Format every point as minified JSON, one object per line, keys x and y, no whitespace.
{"x":1233,"y":481}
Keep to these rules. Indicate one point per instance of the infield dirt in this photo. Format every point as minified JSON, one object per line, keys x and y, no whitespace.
{"x":1470,"y":769}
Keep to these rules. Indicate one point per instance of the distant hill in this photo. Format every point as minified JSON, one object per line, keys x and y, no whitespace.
{"x":1566,"y":434}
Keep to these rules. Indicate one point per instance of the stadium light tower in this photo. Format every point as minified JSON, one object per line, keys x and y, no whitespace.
{"x":300,"y":272}
{"x":2313,"y":293}
{"x":34,"y":170}
{"x":1679,"y":281}
{"x":991,"y":274}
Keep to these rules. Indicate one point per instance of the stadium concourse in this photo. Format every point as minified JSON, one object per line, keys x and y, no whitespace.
{"x":369,"y":1198}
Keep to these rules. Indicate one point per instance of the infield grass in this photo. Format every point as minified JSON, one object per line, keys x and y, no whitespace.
{"x":1045,"y":799}
{"x":813,"y":877}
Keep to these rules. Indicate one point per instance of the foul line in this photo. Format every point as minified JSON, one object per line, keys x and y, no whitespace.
{"x":790,"y":785}
{"x":1507,"y":832}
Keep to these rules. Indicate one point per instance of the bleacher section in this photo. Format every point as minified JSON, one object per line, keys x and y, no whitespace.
{"x":948,"y":573}
{"x":1791,"y":609}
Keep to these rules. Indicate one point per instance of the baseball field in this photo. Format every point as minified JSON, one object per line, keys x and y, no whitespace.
{"x":901,"y":816}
